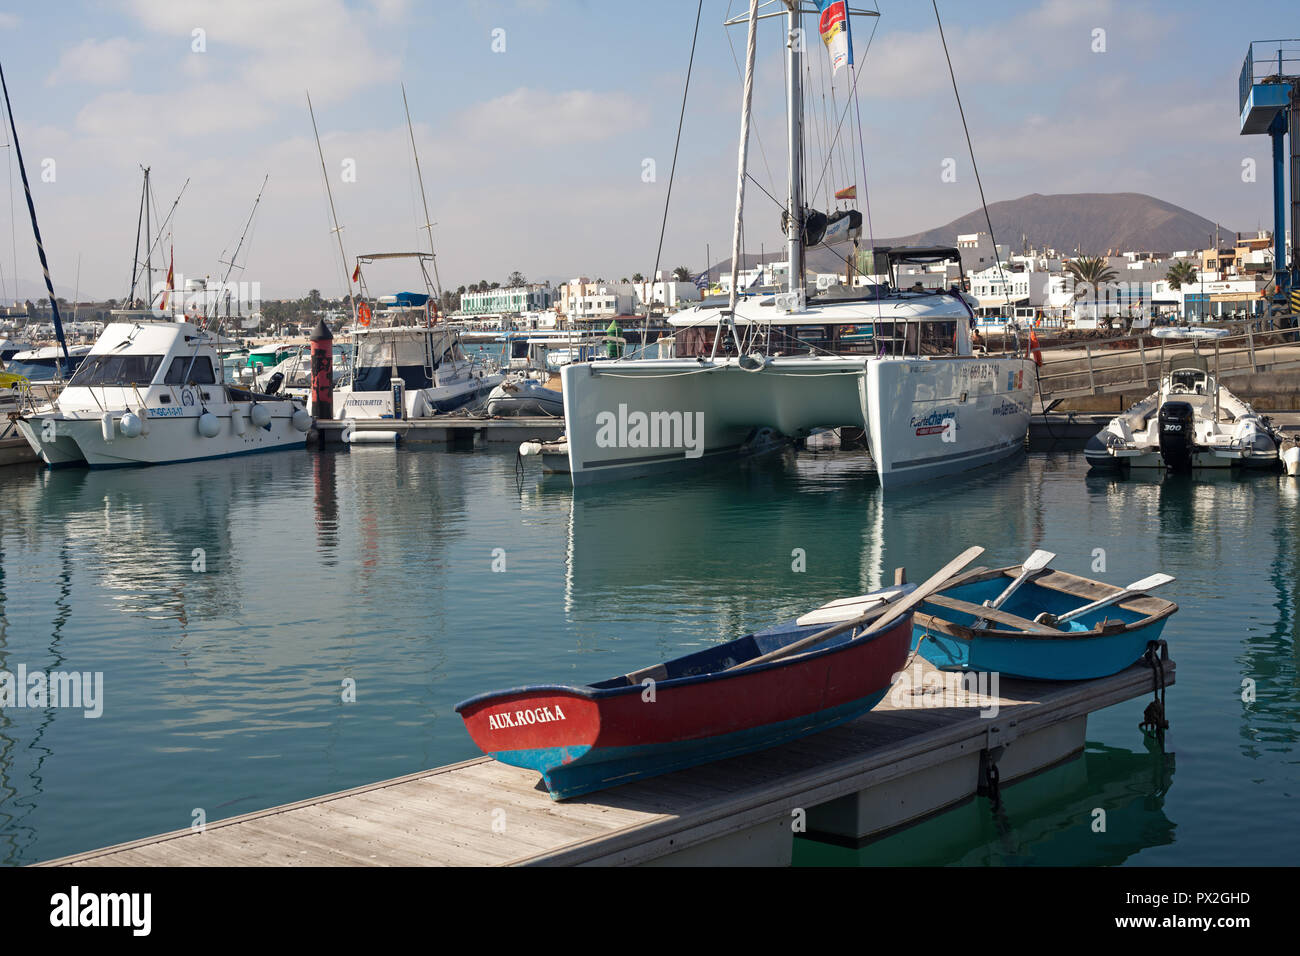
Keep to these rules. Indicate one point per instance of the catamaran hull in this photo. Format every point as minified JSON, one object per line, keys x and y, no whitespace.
{"x":638,"y":419}
{"x":929,"y":418}
{"x":926,"y":418}
{"x":80,"y":441}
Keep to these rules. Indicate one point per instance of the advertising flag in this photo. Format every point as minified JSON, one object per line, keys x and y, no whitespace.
{"x":834,"y":27}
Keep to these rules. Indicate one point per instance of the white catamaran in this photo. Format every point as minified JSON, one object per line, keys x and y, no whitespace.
{"x":897,"y":363}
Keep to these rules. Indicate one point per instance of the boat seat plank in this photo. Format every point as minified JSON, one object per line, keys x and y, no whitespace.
{"x":996,"y":615}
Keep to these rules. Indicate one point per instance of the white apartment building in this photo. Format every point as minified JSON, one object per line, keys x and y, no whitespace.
{"x":666,"y":291}
{"x":581,"y":298}
{"x":979,"y":253}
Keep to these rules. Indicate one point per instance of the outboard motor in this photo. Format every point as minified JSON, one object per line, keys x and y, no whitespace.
{"x":273,"y":385}
{"x":1177,"y":435}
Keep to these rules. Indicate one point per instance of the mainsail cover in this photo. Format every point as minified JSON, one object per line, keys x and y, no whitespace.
{"x":821,"y":229}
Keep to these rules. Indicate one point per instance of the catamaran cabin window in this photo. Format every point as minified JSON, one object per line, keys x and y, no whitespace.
{"x":938,"y":338}
{"x":117,"y":370}
{"x":181,"y":373}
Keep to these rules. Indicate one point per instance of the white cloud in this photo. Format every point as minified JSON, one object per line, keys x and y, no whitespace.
{"x":541,"y":117}
{"x":275,"y":50}
{"x":97,"y":62}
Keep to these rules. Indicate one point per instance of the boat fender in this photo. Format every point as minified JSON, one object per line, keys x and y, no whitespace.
{"x":131,"y":425}
{"x":106,"y":426}
{"x":209,"y":425}
{"x":530,"y":448}
{"x":419,"y":406}
{"x":301,"y":420}
{"x":237,"y":420}
{"x":259,"y":415}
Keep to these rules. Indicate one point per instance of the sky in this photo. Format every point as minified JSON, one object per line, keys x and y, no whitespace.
{"x":545,"y":128}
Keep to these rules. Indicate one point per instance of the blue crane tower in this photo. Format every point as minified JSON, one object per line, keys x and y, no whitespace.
{"x":1270,"y":103}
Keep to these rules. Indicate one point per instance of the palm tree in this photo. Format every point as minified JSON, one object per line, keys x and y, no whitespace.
{"x":1181,"y":273}
{"x":637,"y":277}
{"x":1091,"y":273}
{"x":682,"y":274}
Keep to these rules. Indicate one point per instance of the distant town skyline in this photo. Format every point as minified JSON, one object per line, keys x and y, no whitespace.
{"x":537,"y":121}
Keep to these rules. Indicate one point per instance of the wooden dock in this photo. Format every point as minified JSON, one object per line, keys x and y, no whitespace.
{"x":445,"y":429}
{"x":903,"y":761}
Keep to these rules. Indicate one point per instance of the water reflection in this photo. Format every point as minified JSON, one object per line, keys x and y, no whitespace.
{"x":771,"y":538}
{"x":1046,"y":819}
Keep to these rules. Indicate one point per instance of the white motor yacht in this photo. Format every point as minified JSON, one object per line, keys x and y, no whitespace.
{"x":150,"y":393}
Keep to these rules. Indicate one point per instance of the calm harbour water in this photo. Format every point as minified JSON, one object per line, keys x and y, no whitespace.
{"x":223,"y":687}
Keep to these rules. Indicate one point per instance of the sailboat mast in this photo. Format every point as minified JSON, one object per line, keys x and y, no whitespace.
{"x":148,"y":241}
{"x":794,"y":129}
{"x":36,"y":229}
{"x":428,"y":223}
{"x":135,"y":255}
{"x":338,"y":230}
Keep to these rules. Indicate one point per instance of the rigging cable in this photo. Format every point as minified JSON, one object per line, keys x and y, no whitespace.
{"x":970,"y":147}
{"x":663,"y":225}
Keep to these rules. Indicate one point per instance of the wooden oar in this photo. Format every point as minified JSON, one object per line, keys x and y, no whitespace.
{"x":1033,"y":564}
{"x":658,"y":672}
{"x":891,"y":611}
{"x":1137,"y":587}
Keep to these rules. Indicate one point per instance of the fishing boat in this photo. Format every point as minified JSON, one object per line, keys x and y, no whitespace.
{"x":412,"y":372}
{"x":1034,"y":622}
{"x":1189,"y":422}
{"x":149,"y":394}
{"x":887,"y":357}
{"x":759,"y":690}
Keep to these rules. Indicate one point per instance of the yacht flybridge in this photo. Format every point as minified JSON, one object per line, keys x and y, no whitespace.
{"x":898,"y":363}
{"x":1189,"y":422}
{"x":407,"y":363}
{"x":150,"y":392}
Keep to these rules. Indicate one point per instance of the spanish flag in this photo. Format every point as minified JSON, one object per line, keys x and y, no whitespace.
{"x":848,"y":192}
{"x":171,"y":274}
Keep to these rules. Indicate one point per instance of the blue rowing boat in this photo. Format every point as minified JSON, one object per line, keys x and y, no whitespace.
{"x":955,"y":631}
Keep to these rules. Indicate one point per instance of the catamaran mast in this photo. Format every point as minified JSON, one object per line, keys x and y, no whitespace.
{"x":794,"y":129}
